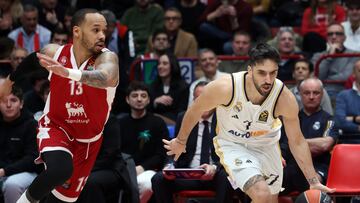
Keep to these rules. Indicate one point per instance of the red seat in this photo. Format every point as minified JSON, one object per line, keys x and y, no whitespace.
{"x":181,"y":196}
{"x":344,"y":172}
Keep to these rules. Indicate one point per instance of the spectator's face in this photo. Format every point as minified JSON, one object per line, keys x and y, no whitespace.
{"x":49,"y":4}
{"x":354,"y":13}
{"x":208,"y":63}
{"x":263,"y":76}
{"x":164,"y":69}
{"x":60,"y":39}
{"x":110,"y":29}
{"x":357,"y":72}
{"x":241,"y":45}
{"x":29,"y":21}
{"x":67,"y":23}
{"x":172,"y":21}
{"x":10,"y":107}
{"x":161,"y":42}
{"x":138,"y":100}
{"x":286,"y":43}
{"x":91,"y":33}
{"x":143,"y":3}
{"x":311,"y":94}
{"x":17,"y":56}
{"x":336,"y":35}
{"x":301,"y":71}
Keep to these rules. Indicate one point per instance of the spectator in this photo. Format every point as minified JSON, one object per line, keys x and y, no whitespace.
{"x":240,"y":46}
{"x":142,"y":134}
{"x":159,"y":45}
{"x":221,"y":18}
{"x":17,"y":55}
{"x":352,"y":25}
{"x":315,"y":22}
{"x":109,"y":173}
{"x":33,"y":99}
{"x":260,"y":8}
{"x":30,"y":35}
{"x":69,"y":12}
{"x":59,"y":36}
{"x":169,"y":91}
{"x":51,"y":14}
{"x":190,"y":10}
{"x":209,"y":65}
{"x":18,"y":147}
{"x":335,"y":68}
{"x":143,"y":19}
{"x":286,"y":44}
{"x":347,"y":108}
{"x":198,"y":147}
{"x":303,"y":69}
{"x":317,"y":127}
{"x":11,"y":12}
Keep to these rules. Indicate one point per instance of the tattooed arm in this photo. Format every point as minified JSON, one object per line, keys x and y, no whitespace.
{"x":106,"y":73}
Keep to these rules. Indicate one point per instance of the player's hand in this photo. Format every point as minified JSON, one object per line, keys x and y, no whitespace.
{"x":164,"y":100}
{"x":210,"y":171}
{"x":175,"y":147}
{"x":52,"y":65}
{"x":319,"y":186}
{"x":5,"y":87}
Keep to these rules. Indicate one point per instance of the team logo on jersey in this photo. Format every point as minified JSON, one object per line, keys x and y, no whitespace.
{"x":316,"y":125}
{"x":76,"y":113}
{"x":263,"y":116}
{"x":238,"y":162}
{"x":63,"y":60}
{"x":238,"y":107}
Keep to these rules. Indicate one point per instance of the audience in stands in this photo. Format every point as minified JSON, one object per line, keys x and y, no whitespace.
{"x":316,"y":20}
{"x":318,"y":129}
{"x":143,"y":19}
{"x":335,"y":68}
{"x":190,"y":10}
{"x":240,"y":46}
{"x":347,"y":108}
{"x":159,"y":44}
{"x":220,"y":19}
{"x":303,"y":69}
{"x":142,"y":134}
{"x":59,"y":36}
{"x":18,"y":148}
{"x":51,"y":14}
{"x":200,"y":153}
{"x":31,"y":35}
{"x":169,"y":91}
{"x":208,"y":63}
{"x":352,"y":25}
{"x":17,"y":55}
{"x":33,"y":98}
{"x":11,"y":11}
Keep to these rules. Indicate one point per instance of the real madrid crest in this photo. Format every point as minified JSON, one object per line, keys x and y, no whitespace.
{"x":238,"y":107}
{"x":263,"y":116}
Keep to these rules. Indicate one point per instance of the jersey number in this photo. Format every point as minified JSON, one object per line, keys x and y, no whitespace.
{"x":75,"y":87}
{"x":81,"y":184}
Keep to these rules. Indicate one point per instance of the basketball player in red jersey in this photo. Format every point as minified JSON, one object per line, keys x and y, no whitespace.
{"x":83,"y":78}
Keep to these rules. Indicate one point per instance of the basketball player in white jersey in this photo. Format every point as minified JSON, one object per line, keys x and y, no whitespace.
{"x":248,"y":106}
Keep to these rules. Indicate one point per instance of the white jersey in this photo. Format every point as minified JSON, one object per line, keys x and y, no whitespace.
{"x":243,"y":122}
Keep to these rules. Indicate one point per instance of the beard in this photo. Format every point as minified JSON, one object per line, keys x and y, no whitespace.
{"x":258,"y":88}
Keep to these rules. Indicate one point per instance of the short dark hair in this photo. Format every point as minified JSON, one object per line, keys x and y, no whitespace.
{"x":158,"y":32}
{"x":17,"y":92}
{"x":263,"y":51}
{"x":242,"y":33}
{"x":79,"y":16}
{"x":304,"y":60}
{"x":59,"y":31}
{"x":137,"y":85}
{"x":109,"y":16}
{"x":30,"y":8}
{"x":201,"y":84}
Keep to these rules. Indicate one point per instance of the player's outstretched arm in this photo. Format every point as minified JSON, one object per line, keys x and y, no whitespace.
{"x":287,"y":107}
{"x":106,"y":73}
{"x":215,"y":93}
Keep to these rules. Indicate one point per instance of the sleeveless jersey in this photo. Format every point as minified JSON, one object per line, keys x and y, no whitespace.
{"x":79,"y":110}
{"x":247,"y":123}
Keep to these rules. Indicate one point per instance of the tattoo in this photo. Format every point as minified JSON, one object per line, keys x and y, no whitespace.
{"x":313,"y":180}
{"x":252,"y":182}
{"x":106,"y":73}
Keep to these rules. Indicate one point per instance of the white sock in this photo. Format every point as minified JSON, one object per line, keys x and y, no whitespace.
{"x":23,"y":198}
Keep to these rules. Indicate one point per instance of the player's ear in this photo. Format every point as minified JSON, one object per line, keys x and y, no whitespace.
{"x":76,"y":31}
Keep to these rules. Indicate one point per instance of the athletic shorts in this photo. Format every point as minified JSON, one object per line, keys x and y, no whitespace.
{"x":83,"y":155}
{"x":243,"y":162}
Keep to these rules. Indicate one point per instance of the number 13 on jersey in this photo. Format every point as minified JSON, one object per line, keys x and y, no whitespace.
{"x":75,"y":87}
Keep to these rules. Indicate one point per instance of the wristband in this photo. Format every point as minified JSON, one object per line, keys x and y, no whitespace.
{"x":75,"y":74}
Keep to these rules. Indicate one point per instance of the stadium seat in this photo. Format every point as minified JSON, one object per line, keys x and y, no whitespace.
{"x":344,"y":173}
{"x":182,"y":196}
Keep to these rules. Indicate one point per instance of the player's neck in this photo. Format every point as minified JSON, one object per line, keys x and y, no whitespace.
{"x":81,"y":55}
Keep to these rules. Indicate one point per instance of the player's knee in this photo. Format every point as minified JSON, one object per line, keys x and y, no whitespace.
{"x":262,"y":195}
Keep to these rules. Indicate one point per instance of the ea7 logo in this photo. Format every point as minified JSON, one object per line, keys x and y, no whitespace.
{"x":235,"y":116}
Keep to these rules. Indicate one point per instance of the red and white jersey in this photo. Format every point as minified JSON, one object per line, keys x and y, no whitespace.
{"x":79,"y":110}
